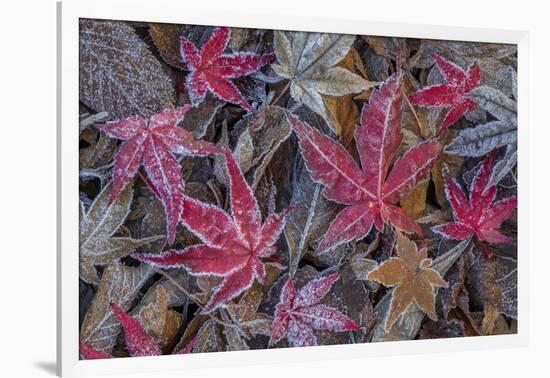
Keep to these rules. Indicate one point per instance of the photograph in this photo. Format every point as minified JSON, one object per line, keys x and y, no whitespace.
{"x":255,"y":189}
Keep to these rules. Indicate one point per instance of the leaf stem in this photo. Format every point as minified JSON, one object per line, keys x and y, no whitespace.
{"x":283,"y":92}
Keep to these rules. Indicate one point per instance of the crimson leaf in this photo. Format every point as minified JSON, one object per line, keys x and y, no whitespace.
{"x":153,"y":144}
{"x":212,"y":70}
{"x":479,"y":215}
{"x":370,"y":193}
{"x":452,"y":94}
{"x":298,"y":314}
{"x":233,"y":245}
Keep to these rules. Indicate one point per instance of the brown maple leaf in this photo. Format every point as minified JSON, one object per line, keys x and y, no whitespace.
{"x":412,"y":279}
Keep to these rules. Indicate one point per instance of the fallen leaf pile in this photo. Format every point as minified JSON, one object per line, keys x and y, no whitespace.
{"x":254,"y":189}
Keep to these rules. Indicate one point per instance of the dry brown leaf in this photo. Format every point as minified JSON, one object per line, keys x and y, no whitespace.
{"x":412,"y":278}
{"x":118,"y":73}
{"x":159,"y":320}
{"x":343,"y":110}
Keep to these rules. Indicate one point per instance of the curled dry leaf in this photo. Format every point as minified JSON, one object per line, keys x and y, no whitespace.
{"x":263,"y":134}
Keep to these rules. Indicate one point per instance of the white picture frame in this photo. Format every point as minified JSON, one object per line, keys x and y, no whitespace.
{"x":174,"y":11}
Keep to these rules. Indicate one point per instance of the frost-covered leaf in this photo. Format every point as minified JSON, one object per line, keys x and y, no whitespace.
{"x":412,"y":278}
{"x":118,"y":73}
{"x":452,"y":94}
{"x":119,"y":284}
{"x":504,"y":165}
{"x":493,"y":282}
{"x":479,"y":215}
{"x":233,"y":246}
{"x":308,"y":60}
{"x":493,"y":60}
{"x":98,"y":246}
{"x":208,"y":338}
{"x":212,"y":70}
{"x":138,"y":341}
{"x":153,"y":143}
{"x":263,"y":134}
{"x":370,"y":191}
{"x":158,"y":319}
{"x":482,"y":139}
{"x":89,"y":353}
{"x":311,"y":215}
{"x":199,"y":117}
{"x":342,"y":110}
{"x":299,"y":313}
{"x":496,"y":103}
{"x":407,"y":327}
{"x":166,"y":38}
{"x":245,"y":313}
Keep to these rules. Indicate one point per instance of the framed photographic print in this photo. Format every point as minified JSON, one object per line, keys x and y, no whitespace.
{"x":253,"y":187}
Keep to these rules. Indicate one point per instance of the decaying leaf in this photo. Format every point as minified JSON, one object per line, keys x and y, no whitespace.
{"x":98,"y":246}
{"x":119,"y":285}
{"x":263,"y":134}
{"x":412,"y":278}
{"x":118,"y":73}
{"x":159,"y":320}
{"x":311,"y":215}
{"x":407,"y":327}
{"x":308,"y":60}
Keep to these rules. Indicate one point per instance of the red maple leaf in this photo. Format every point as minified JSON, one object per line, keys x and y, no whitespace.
{"x":479,"y":216}
{"x":370,"y":193}
{"x":153,"y":144}
{"x":233,"y":246}
{"x":298,"y":314}
{"x":211,"y":69}
{"x":452,"y":94}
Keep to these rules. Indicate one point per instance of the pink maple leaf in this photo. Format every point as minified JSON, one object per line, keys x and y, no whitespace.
{"x":479,"y":215}
{"x":233,"y":245}
{"x":211,"y":69}
{"x":370,"y":193}
{"x":298,"y":314}
{"x":153,"y":144}
{"x":451,"y":94}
